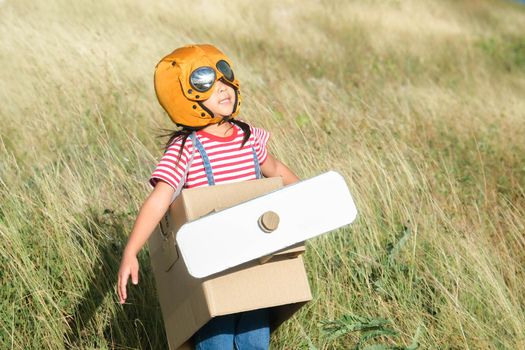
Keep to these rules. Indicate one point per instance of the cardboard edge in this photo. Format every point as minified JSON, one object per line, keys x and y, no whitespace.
{"x":219,"y":209}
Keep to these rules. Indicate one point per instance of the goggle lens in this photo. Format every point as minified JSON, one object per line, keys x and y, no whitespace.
{"x":202,"y":79}
{"x":225,"y":69}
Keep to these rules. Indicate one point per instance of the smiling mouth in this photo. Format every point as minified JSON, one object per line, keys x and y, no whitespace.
{"x":226,"y":100}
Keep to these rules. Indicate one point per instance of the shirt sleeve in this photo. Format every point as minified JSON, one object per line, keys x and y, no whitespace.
{"x":171,"y":168}
{"x":261,"y":138}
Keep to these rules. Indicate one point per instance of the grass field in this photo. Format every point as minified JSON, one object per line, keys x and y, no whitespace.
{"x":420,"y":105}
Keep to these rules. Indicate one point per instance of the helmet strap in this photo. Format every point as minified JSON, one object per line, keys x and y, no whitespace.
{"x":225,"y":119}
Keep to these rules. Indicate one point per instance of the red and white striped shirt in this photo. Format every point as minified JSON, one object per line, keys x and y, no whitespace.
{"x":229,"y":162}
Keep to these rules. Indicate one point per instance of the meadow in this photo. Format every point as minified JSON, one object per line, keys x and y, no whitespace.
{"x":420,"y":104}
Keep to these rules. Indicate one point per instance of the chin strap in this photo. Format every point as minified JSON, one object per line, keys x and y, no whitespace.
{"x":225,"y":119}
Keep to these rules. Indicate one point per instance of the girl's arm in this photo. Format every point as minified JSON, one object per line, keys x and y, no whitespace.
{"x":272,"y":167}
{"x":154,"y":207}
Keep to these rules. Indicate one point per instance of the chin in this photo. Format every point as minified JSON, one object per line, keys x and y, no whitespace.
{"x":226,"y":113}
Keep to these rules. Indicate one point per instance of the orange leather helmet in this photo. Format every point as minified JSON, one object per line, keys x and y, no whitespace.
{"x":184,"y":79}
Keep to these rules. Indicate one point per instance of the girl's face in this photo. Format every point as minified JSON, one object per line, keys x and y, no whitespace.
{"x":221,"y":100}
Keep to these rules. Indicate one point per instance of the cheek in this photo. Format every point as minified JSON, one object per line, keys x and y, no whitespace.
{"x":209,"y":102}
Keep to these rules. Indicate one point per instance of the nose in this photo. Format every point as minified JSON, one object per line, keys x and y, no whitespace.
{"x":221,"y":86}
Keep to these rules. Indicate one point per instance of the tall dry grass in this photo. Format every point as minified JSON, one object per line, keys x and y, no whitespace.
{"x":420,"y":104}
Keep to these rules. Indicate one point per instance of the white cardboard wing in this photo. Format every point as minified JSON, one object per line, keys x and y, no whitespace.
{"x":234,"y":236}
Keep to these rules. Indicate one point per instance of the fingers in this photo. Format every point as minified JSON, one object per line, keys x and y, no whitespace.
{"x":135,"y":274}
{"x":122,"y":283}
{"x":128,"y":268}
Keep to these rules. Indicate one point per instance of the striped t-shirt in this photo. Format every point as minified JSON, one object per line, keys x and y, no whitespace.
{"x":229,"y":162}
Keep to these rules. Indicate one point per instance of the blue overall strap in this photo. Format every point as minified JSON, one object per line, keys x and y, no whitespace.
{"x":257,"y":165}
{"x":205,"y":159}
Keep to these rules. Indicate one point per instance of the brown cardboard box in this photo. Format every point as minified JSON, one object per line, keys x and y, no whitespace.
{"x":278,"y":281}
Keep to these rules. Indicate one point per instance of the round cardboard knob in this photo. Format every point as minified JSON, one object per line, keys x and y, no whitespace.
{"x":269,"y":221}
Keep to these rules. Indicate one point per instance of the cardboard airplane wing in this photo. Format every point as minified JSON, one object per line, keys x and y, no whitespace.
{"x":266,"y":224}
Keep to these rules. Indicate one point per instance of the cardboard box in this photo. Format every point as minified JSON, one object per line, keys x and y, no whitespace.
{"x":278,"y":281}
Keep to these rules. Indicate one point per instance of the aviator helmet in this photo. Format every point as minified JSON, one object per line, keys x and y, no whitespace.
{"x":184,"y":79}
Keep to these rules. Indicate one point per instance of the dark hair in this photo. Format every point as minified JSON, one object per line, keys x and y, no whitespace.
{"x":186,"y":131}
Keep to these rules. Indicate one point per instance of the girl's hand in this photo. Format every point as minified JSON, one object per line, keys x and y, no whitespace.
{"x":149,"y":216}
{"x":128,"y":266}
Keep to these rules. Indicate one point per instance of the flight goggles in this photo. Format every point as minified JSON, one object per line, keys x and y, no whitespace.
{"x":203,"y":78}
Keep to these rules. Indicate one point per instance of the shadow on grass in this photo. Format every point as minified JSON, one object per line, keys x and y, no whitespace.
{"x":99,"y":321}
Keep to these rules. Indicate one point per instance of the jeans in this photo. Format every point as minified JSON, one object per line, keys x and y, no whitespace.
{"x":248,"y":330}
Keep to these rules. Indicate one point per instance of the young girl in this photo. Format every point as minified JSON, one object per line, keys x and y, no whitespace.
{"x":198,"y":89}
